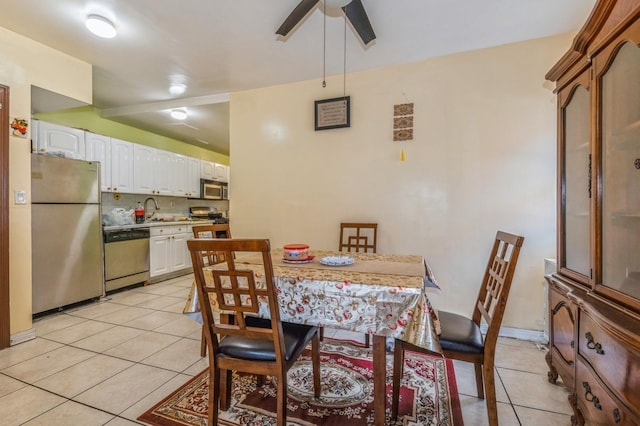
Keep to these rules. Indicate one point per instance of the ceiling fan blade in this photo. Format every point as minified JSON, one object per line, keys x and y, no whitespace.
{"x":358,"y":17}
{"x":296,"y":16}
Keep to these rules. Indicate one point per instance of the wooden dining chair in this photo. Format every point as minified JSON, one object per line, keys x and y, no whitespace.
{"x":461,"y":337}
{"x":249,"y":344}
{"x":215,"y":230}
{"x":359,"y":237}
{"x":218,"y":230}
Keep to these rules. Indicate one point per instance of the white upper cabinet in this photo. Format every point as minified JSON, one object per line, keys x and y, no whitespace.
{"x":98,"y":148}
{"x":207,"y":169}
{"x":144,"y":162}
{"x":221,"y":173}
{"x":179,"y":181}
{"x":121,"y":166}
{"x":164,"y":173}
{"x":193,"y":177}
{"x":60,"y":139}
{"x":214,"y":171}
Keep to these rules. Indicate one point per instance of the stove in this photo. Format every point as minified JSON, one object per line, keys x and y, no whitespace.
{"x":208,"y":214}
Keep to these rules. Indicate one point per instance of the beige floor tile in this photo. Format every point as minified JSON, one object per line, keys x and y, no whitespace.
{"x":56,"y":322}
{"x":196,"y":335}
{"x":83,"y":375}
{"x":124,"y":316}
{"x":79,"y":331}
{"x":96,"y":309}
{"x":26,"y":404}
{"x":177,"y":307}
{"x":160,"y":289}
{"x":143,"y":346}
{"x":466,"y":380}
{"x":160,"y":302}
{"x":180,"y":292}
{"x":107,"y":339}
{"x":47,"y":364}
{"x":131,"y":298}
{"x":125,"y":389}
{"x":524,"y":357}
{"x":176,"y":357}
{"x":71,"y":413}
{"x":532,"y":417}
{"x":153,"y":320}
{"x":182,"y":326}
{"x":474,"y":412}
{"x":154,"y":397}
{"x":25,"y":351}
{"x":118,"y":421}
{"x":197,"y":366}
{"x":8,"y":385}
{"x":534,"y":391}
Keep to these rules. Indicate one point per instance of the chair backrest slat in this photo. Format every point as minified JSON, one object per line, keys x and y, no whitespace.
{"x":236,"y":288}
{"x":364,"y":240}
{"x":496,"y":283}
{"x":219,"y":230}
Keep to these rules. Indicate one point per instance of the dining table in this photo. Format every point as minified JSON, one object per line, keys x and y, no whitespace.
{"x":382,"y":295}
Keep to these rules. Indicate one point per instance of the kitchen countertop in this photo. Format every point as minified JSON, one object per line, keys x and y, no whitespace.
{"x":156,"y":223}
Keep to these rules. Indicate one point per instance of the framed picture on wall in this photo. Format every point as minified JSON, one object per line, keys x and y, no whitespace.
{"x":332,"y":113}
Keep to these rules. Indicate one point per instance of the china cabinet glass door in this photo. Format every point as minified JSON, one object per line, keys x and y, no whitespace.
{"x":576,"y":184}
{"x":620,"y":150}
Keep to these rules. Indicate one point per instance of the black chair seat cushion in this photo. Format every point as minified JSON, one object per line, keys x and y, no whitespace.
{"x":459,"y":334}
{"x":296,"y":337}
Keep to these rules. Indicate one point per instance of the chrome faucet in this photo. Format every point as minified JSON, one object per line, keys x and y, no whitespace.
{"x":155,"y":203}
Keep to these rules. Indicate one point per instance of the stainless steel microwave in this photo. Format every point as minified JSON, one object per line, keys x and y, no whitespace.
{"x":212,"y":190}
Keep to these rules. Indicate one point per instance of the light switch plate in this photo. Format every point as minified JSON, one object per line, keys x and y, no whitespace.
{"x":21,"y":196}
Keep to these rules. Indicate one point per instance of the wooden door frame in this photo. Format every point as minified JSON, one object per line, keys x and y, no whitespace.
{"x":5,"y":339}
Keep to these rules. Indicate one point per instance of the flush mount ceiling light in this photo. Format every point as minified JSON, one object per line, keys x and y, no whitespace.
{"x":179,"y":113}
{"x":177,"y":88}
{"x":100,"y":26}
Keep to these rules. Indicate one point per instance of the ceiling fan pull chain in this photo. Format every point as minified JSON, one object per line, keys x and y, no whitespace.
{"x":344,"y":60}
{"x":324,"y":45}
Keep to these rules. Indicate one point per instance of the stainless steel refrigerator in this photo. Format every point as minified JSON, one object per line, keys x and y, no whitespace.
{"x":66,"y":232}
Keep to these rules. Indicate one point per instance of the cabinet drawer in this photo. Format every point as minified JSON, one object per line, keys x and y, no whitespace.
{"x":595,"y":402}
{"x":169,"y":230}
{"x":616,"y":362}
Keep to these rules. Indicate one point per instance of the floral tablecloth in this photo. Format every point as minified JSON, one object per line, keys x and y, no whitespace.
{"x":390,"y":301}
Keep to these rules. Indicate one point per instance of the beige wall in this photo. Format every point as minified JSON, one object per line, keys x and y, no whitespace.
{"x":482,"y":159}
{"x":23,"y":63}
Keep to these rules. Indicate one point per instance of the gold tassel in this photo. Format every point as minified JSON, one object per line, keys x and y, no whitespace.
{"x":402,"y":155}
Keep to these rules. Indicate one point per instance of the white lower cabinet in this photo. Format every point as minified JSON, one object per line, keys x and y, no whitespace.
{"x":168,"y":249}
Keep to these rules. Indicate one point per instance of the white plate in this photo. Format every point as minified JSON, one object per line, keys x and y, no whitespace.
{"x":337,"y":260}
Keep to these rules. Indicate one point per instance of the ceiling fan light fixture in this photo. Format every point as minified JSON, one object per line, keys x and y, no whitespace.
{"x":179,"y":113}
{"x":100,"y":26}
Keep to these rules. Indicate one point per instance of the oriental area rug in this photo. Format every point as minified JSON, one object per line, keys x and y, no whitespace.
{"x":428,"y":394}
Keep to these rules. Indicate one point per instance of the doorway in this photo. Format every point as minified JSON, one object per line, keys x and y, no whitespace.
{"x":4,"y":217}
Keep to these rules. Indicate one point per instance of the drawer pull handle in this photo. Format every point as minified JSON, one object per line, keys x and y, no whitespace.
{"x":591,"y":397}
{"x":592,"y":345}
{"x":616,"y":415}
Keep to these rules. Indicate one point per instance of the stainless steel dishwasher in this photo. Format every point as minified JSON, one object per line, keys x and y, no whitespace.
{"x":126,"y":257}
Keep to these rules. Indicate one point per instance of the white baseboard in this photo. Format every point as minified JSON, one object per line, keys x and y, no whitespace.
{"x":22,"y":336}
{"x":520,"y":333}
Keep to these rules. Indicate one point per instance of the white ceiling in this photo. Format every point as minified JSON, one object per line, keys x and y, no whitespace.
{"x":217,"y":47}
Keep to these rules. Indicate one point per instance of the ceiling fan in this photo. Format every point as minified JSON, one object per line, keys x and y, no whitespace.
{"x":354,"y":10}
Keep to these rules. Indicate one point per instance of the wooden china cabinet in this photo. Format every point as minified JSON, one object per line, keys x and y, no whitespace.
{"x":594,"y":296}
